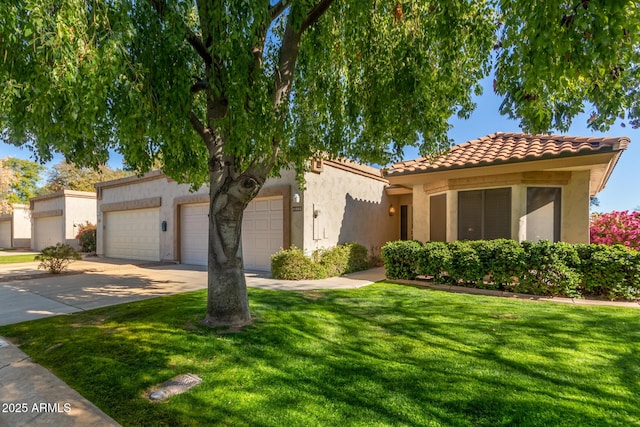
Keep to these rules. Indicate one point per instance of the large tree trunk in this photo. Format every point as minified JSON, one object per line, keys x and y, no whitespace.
{"x":227,"y":302}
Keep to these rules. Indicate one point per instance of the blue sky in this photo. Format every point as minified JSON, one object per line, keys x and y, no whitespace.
{"x":619,"y":193}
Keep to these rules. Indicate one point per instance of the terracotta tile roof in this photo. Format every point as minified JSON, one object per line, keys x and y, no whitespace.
{"x":503,"y":147}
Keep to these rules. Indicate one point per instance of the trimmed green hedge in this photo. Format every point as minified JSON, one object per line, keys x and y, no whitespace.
{"x":542,"y":268}
{"x":292,"y":264}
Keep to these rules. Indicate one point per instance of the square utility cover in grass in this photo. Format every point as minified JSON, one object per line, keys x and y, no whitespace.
{"x":380,"y":355}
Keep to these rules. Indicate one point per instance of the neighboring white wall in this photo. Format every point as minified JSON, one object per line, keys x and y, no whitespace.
{"x":75,"y":207}
{"x":40,"y":204}
{"x":21,"y":226}
{"x":352,"y":208}
{"x":47,"y":202}
{"x":80,"y":208}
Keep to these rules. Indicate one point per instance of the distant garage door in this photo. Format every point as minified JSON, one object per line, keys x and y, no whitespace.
{"x":48,"y":232}
{"x":132,"y":234}
{"x":262,"y":233}
{"x":5,"y":234}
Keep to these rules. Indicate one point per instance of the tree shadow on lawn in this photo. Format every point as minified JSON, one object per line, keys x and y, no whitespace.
{"x":378,"y":355}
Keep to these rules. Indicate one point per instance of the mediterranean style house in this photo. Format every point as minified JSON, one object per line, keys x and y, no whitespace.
{"x":504,"y":185}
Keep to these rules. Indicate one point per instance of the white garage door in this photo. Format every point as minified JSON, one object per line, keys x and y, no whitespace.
{"x":48,"y":232}
{"x":194,"y":232}
{"x":5,"y":234}
{"x":262,"y":233}
{"x":133,"y":234}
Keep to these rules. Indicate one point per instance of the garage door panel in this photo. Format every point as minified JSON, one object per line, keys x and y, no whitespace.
{"x":133,"y":234}
{"x":276,"y":204}
{"x":48,"y":232}
{"x":261,"y":224}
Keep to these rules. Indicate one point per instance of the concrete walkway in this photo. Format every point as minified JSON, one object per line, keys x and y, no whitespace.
{"x":32,"y":395}
{"x":27,"y":293}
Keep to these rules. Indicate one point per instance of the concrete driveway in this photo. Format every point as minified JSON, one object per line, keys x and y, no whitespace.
{"x":27,"y":293}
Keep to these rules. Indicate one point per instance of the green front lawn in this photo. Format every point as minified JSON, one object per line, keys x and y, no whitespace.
{"x":381,"y":355}
{"x":11,"y":259}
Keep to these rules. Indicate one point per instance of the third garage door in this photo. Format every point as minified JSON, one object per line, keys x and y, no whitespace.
{"x":48,"y":232}
{"x":133,"y":234}
{"x":262,"y":233}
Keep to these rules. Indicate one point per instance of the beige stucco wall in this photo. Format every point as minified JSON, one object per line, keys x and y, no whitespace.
{"x":353,"y":208}
{"x":421,"y":206}
{"x":575,"y":209}
{"x":574,"y":225}
{"x":132,"y":190}
{"x":155,"y":185}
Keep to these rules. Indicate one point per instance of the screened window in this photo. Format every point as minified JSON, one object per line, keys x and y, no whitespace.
{"x":543,"y":213}
{"x":484,"y":214}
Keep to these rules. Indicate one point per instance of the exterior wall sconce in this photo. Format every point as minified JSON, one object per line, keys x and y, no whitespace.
{"x":296,"y":198}
{"x":392,"y":210}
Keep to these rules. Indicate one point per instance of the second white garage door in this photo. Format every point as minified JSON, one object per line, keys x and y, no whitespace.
{"x":262,"y":233}
{"x":48,"y":232}
{"x":133,"y":234}
{"x":5,"y":234}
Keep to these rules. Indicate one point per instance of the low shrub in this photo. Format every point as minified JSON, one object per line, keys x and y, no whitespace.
{"x":508,"y":262}
{"x":57,"y":258}
{"x":357,"y":257}
{"x":542,"y":268}
{"x":401,"y":259}
{"x":434,"y":260}
{"x":466,"y":265}
{"x":610,"y":271}
{"x":547,"y":272}
{"x":87,"y":237}
{"x":292,"y":264}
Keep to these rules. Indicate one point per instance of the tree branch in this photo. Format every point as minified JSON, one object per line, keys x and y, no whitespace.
{"x":198,"y":46}
{"x":199,"y":86}
{"x":315,"y":14}
{"x":203,"y":131}
{"x":160,"y":7}
{"x":277,"y":9}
